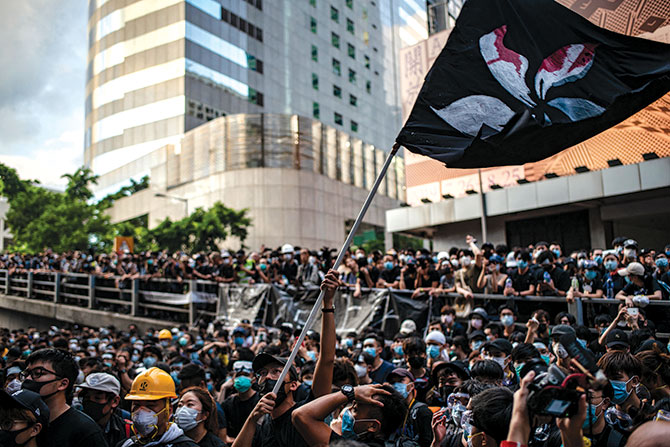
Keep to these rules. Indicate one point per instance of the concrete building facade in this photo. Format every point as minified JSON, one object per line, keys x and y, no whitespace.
{"x":302,"y":181}
{"x":159,"y":68}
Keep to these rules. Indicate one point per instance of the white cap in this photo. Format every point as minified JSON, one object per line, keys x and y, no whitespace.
{"x":634,"y":268}
{"x":436,"y":337}
{"x":102,"y":382}
{"x":287,"y":248}
{"x":407,"y":327}
{"x":442,"y":255}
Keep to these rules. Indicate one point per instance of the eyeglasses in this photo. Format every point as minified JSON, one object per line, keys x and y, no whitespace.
{"x":7,"y":424}
{"x":35,"y":373}
{"x":274,"y":372}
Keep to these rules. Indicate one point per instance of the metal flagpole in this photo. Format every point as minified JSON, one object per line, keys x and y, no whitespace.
{"x":338,"y":261}
{"x":483,"y":202}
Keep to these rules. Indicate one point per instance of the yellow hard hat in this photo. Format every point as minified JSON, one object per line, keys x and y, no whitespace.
{"x":165,"y":334}
{"x":152,"y":384}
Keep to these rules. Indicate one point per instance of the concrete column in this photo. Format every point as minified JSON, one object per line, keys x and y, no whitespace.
{"x":91,"y":292}
{"x":135,"y":297}
{"x":596,"y":228}
{"x":388,"y":240}
{"x":57,"y":279}
{"x":29,"y":285}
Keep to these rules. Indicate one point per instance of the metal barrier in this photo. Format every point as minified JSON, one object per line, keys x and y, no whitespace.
{"x":134,"y":297}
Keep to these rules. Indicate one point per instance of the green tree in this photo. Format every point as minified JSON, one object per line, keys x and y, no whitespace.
{"x":125,"y":191}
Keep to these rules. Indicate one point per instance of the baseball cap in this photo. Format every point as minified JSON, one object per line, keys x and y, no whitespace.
{"x":436,"y":337}
{"x":634,"y":268}
{"x":407,"y":327}
{"x":648,"y":345}
{"x":480,"y":311}
{"x":264,"y":359}
{"x":102,"y":382}
{"x":27,"y":400}
{"x":400,"y":373}
{"x":630,"y":243}
{"x":476,"y":334}
{"x":456,"y":366}
{"x":499,"y":344}
{"x":617,"y":337}
{"x":562,"y":329}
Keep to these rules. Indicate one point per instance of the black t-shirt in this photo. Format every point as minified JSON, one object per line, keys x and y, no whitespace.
{"x":418,"y":426}
{"x":391,"y":275}
{"x":649,"y":287}
{"x":237,"y":411}
{"x":609,"y":437}
{"x":521,"y":281}
{"x":280,"y":431}
{"x":334,"y":437}
{"x":380,"y":374}
{"x":560,"y":278}
{"x":432,"y":277}
{"x":211,"y":440}
{"x":72,"y":429}
{"x":289,"y":269}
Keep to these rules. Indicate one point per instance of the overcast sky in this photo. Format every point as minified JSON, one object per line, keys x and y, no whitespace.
{"x":42,"y":83}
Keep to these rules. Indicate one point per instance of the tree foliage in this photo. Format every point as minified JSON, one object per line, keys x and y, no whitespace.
{"x":40,"y":218}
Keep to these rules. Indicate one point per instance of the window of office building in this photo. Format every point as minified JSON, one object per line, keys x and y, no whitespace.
{"x":315,"y":81}
{"x":338,"y":118}
{"x":255,"y":97}
{"x":354,"y":126}
{"x":312,"y":24}
{"x":352,"y":76}
{"x":335,"y":40}
{"x":368,"y":86}
{"x":351,"y":51}
{"x":350,"y":26}
{"x":315,"y":110}
{"x":337,"y":68}
{"x":353,"y":100}
{"x":315,"y":53}
{"x":337,"y":91}
{"x":334,"y":14}
{"x":350,"y":4}
{"x":367,"y":61}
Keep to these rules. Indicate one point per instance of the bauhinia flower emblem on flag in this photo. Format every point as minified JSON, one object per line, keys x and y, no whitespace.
{"x":568,"y":64}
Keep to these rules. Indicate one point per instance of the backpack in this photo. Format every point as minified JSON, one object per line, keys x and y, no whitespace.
{"x":401,"y":439}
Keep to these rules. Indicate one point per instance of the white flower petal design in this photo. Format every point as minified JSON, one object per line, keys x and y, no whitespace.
{"x":508,"y":67}
{"x":567,"y":64}
{"x":470,"y":113}
{"x":577,"y":109}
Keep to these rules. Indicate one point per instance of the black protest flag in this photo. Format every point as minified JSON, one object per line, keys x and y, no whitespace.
{"x":520,"y":80}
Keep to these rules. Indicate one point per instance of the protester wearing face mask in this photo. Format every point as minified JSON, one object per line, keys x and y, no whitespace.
{"x":195,"y":415}
{"x":150,"y":408}
{"x":451,"y":327}
{"x":630,"y":251}
{"x":507,"y":319}
{"x":435,"y":344}
{"x":623,"y":371}
{"x":467,"y":276}
{"x":23,"y":416}
{"x":500,"y":351}
{"x":662,"y":273}
{"x":561,"y":354}
{"x":372,"y":349}
{"x":12,"y":381}
{"x":445,"y":377}
{"x":520,"y":281}
{"x":550,"y":280}
{"x":478,"y":319}
{"x":99,"y":396}
{"x":240,"y":405}
{"x":415,"y":362}
{"x":587,"y":285}
{"x":52,"y":374}
{"x":640,"y":288}
{"x":595,"y":426}
{"x":476,"y":340}
{"x":416,"y":426}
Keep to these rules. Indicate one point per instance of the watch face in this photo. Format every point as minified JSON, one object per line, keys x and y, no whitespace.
{"x":347,"y":388}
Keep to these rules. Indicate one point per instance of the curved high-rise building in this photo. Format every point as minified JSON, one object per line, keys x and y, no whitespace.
{"x":158,"y":68}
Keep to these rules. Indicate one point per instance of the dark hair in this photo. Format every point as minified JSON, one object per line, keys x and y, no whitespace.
{"x":344,"y":372}
{"x":392,"y":414}
{"x":308,"y":368}
{"x":245,"y":354}
{"x":413,"y":345}
{"x":377,"y":338}
{"x":461,"y":342}
{"x":601,"y":319}
{"x":654,"y":364}
{"x":494,"y":328}
{"x":208,"y":406}
{"x":492,"y":412}
{"x":584,"y":332}
{"x":614,"y":363}
{"x":545,"y":255}
{"x":486,"y":371}
{"x":472,"y":387}
{"x":571,"y":318}
{"x":524,"y":255}
{"x":638,"y":336}
{"x":524,"y":352}
{"x":63,"y":364}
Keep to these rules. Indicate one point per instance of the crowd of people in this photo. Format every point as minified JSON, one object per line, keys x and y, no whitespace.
{"x":482,"y":379}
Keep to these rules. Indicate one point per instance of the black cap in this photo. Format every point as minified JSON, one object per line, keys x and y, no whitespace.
{"x":264,"y":359}
{"x":617,"y":337}
{"x":192,"y":371}
{"x":499,"y":344}
{"x":476,"y":334}
{"x":648,"y":345}
{"x":400,"y":373}
{"x":456,"y":366}
{"x":27,"y":400}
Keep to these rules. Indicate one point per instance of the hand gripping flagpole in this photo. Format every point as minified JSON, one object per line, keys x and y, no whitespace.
{"x":338,"y":261}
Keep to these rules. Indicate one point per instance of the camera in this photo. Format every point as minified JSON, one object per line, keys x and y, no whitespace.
{"x":552,"y":393}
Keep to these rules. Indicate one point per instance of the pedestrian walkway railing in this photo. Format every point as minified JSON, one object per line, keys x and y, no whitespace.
{"x":188,"y":301}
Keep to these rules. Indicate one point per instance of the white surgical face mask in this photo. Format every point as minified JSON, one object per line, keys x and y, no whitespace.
{"x":186,"y":418}
{"x":465,"y":261}
{"x":447,"y":319}
{"x":361,"y":371}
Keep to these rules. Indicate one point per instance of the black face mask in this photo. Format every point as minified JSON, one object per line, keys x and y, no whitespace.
{"x":548,"y":267}
{"x":94,"y":409}
{"x":268,"y":386}
{"x":542,"y":328}
{"x":416,"y":362}
{"x":445,"y":391}
{"x":8,"y":438}
{"x":36,"y":387}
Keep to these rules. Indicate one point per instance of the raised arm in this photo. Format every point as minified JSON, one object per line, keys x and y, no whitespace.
{"x":323,"y":373}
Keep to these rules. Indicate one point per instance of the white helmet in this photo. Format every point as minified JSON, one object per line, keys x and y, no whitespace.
{"x":442,"y":255}
{"x":287,"y":248}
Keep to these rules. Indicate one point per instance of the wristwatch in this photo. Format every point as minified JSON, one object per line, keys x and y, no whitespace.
{"x":348,"y":391}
